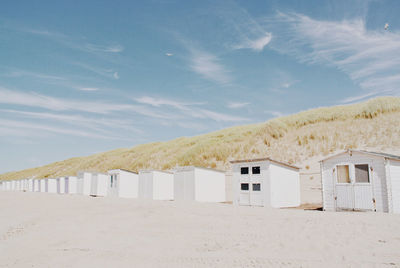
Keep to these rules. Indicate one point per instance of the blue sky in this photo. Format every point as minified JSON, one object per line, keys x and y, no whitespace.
{"x":81,"y":77}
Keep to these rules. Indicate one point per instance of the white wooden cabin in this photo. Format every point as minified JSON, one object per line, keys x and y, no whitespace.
{"x":84,"y":182}
{"x":52,"y":185}
{"x":61,"y":185}
{"x":13,"y":185}
{"x":265,"y":182}
{"x":361,"y":180}
{"x":36,"y":185}
{"x":71,"y":185}
{"x":17,"y":186}
{"x":199,"y":184}
{"x":156,"y":185}
{"x":123,"y":183}
{"x":43,"y":185}
{"x":9,"y":186}
{"x":31,"y":185}
{"x":24,"y":186}
{"x":99,"y":184}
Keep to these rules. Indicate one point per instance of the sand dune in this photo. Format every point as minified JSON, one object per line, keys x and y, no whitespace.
{"x":48,"y":230}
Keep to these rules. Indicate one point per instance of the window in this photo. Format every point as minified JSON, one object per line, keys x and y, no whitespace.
{"x":244,"y":170}
{"x":112,"y":179}
{"x":362,"y":174}
{"x":255,"y":170}
{"x":244,"y":186}
{"x":256,"y":187}
{"x":343,"y":175}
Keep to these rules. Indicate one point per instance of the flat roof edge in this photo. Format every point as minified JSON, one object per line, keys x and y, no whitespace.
{"x":264,"y":159}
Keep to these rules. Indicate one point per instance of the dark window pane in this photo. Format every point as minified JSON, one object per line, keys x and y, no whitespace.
{"x":362,"y":174}
{"x":244,"y":186}
{"x":244,"y":170}
{"x":256,"y":187}
{"x":256,"y":170}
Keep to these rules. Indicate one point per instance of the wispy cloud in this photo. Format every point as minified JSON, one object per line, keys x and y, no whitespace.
{"x":255,"y":44}
{"x":274,"y":113}
{"x":73,"y":42}
{"x":370,"y":58}
{"x":236,"y":105}
{"x":219,"y":117}
{"x":157,"y":102}
{"x":14,"y":125}
{"x":88,"y":88}
{"x":110,"y":49}
{"x":190,"y":109}
{"x":57,"y":104}
{"x":245,"y":30}
{"x":102,"y":124}
{"x":209,"y":66}
{"x":283,"y":86}
{"x":108,"y":73}
{"x":24,"y":73}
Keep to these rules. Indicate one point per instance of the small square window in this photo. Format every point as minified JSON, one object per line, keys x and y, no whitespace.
{"x":244,"y":170}
{"x":256,"y":186}
{"x":362,"y":174}
{"x":244,"y":186}
{"x":255,"y":170}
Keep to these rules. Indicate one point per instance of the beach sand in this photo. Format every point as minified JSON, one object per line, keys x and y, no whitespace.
{"x":49,"y":230}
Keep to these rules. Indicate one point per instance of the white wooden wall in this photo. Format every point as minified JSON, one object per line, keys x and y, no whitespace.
{"x":52,"y":186}
{"x":394,"y":191}
{"x":209,"y":185}
{"x":285,"y":186}
{"x":128,"y":184}
{"x":163,"y":185}
{"x":184,"y":184}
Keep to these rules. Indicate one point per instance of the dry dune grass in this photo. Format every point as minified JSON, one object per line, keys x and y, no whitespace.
{"x":294,"y":139}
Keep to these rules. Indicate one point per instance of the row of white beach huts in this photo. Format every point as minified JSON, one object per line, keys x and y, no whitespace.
{"x":351,"y":180}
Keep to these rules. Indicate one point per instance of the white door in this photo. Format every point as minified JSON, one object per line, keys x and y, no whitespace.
{"x":244,"y":193}
{"x":354,"y":187}
{"x":255,"y":193}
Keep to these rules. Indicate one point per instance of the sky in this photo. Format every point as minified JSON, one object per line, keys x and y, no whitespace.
{"x":82,"y":77}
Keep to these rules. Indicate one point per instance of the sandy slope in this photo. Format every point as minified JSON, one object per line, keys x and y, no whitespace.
{"x":47,"y":230}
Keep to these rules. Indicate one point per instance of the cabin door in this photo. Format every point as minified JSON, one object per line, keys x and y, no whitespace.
{"x":244,"y":193}
{"x":354,"y":187}
{"x":255,"y":193}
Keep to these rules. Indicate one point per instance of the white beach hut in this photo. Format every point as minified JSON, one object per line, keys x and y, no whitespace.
{"x":61,"y":185}
{"x":13,"y":185}
{"x":99,"y":184}
{"x":8,"y":185}
{"x":361,"y":180}
{"x":84,"y":182}
{"x":43,"y":185}
{"x":52,"y":185}
{"x":36,"y":185}
{"x":156,"y":185}
{"x":123,"y":183}
{"x":71,"y":185}
{"x":199,"y":184}
{"x":16,"y":185}
{"x":265,"y":182}
{"x":31,"y":185}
